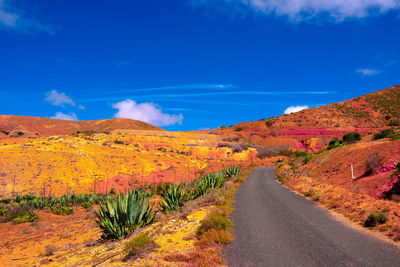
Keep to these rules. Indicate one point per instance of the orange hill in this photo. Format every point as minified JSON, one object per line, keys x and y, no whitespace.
{"x":34,"y":126}
{"x":312,"y":128}
{"x":373,"y":110}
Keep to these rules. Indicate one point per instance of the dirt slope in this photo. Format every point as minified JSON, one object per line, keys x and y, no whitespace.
{"x":12,"y":125}
{"x":373,"y":110}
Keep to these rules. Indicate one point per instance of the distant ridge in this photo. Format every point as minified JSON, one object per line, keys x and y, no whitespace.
{"x":374,"y":110}
{"x":11,"y":125}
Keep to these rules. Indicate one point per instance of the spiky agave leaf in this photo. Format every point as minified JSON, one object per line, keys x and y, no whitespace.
{"x":173,"y":197}
{"x":118,"y":216}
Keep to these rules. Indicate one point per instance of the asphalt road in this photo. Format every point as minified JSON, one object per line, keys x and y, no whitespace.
{"x":276,"y":227}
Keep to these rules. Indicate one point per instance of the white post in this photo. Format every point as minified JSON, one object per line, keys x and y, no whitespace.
{"x":352,"y":173}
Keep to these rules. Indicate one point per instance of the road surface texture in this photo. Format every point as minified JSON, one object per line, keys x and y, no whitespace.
{"x":275,"y":227}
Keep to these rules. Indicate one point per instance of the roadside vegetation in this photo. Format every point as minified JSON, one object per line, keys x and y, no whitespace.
{"x":327,"y":179}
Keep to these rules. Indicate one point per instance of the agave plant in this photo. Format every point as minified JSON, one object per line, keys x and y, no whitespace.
{"x":38,"y":203}
{"x":173,"y":197}
{"x":201,"y":188}
{"x":214,"y":180}
{"x":123,"y":214}
{"x":232,"y":171}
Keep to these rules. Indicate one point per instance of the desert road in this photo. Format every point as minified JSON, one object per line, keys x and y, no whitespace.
{"x":276,"y":227}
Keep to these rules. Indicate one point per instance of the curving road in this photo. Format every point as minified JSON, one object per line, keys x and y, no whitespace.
{"x":276,"y":227}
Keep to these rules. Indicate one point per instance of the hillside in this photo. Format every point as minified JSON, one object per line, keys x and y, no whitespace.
{"x":312,"y":128}
{"x":378,"y":109}
{"x":35,"y":126}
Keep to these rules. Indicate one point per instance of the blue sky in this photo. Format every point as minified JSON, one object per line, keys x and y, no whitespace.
{"x":192,"y":64}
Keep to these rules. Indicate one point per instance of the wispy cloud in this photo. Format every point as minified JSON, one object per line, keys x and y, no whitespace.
{"x":59,"y":99}
{"x":177,"y":87}
{"x":223,"y":93}
{"x":303,"y":10}
{"x":147,"y":112}
{"x":63,"y":116}
{"x":368,"y":72}
{"x":294,"y":109}
{"x":12,"y":18}
{"x":56,"y":98}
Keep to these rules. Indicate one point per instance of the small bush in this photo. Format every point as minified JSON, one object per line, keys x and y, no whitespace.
{"x":384,"y":134}
{"x":376,"y":218}
{"x":373,"y":163}
{"x":112,"y":191}
{"x":398,"y":166}
{"x":238,"y":129}
{"x":62,"y":210}
{"x":215,"y":221}
{"x":49,"y":250}
{"x":22,"y":215}
{"x":224,"y":145}
{"x":307,"y":158}
{"x":86,"y":205}
{"x":5,"y":200}
{"x":394,"y":122}
{"x":237,"y":148}
{"x":220,"y":237}
{"x":309,"y":193}
{"x":334,"y":143}
{"x":299,"y":154}
{"x":351,"y":138}
{"x":4,"y":210}
{"x":272,"y":151}
{"x":138,"y":245}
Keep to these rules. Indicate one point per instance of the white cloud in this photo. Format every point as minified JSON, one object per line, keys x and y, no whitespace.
{"x":294,"y":109}
{"x":368,"y":72}
{"x":63,"y":116}
{"x":302,"y":10}
{"x":12,"y":18}
{"x":59,"y":99}
{"x":7,"y":18}
{"x":147,"y":112}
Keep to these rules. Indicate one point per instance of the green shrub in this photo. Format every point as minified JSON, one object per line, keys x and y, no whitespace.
{"x":238,"y":129}
{"x":62,"y":210}
{"x":112,"y":191}
{"x":86,"y":205}
{"x":173,"y":197}
{"x":309,"y":193}
{"x":138,"y":245}
{"x":4,"y":210}
{"x":122,"y":215}
{"x":351,"y":138}
{"x":384,"y":134}
{"x":308,"y":158}
{"x":21,"y":214}
{"x":376,"y":218}
{"x":215,"y":221}
{"x":334,"y":143}
{"x":299,"y":154}
{"x":5,"y":200}
{"x":398,"y":166}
